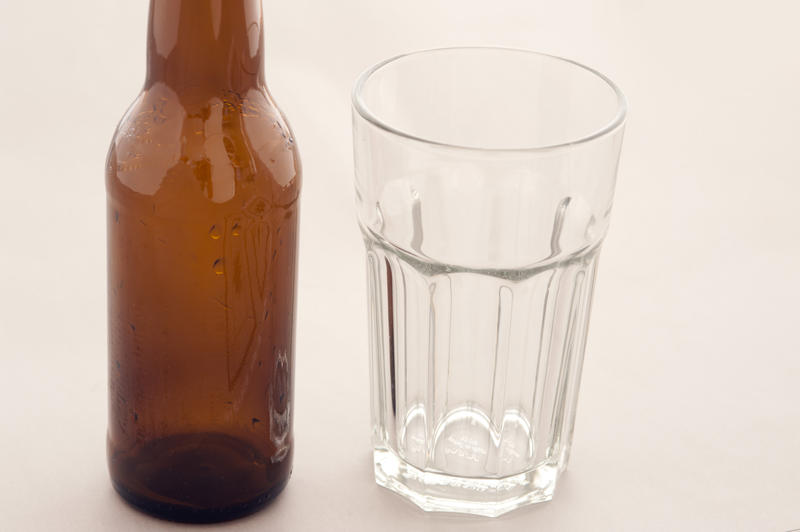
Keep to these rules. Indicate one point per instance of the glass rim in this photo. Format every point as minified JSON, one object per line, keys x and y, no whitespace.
{"x":610,"y":127}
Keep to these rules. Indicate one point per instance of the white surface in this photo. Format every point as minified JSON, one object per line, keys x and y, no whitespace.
{"x":689,"y":416}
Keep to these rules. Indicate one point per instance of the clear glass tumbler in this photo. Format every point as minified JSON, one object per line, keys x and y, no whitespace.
{"x":484,"y":183}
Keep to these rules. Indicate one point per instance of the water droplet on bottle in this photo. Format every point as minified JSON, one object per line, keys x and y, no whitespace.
{"x":236,"y":230}
{"x":219,"y":267}
{"x":214,"y":233}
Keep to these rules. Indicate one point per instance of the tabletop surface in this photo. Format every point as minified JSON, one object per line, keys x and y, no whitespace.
{"x":689,"y":412}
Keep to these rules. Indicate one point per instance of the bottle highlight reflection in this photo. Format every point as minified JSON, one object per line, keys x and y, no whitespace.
{"x":203,"y":179}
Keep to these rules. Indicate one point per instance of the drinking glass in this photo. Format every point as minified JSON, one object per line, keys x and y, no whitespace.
{"x":484,"y":180}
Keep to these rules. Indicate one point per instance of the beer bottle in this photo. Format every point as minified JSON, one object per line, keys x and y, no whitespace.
{"x":203,"y":178}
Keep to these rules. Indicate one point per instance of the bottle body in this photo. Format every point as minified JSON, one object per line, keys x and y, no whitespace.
{"x":203,"y":182}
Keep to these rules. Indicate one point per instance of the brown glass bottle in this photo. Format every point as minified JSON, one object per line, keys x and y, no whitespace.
{"x":203,"y":179}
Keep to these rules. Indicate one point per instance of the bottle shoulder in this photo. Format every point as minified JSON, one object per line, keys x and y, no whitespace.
{"x":224,"y":142}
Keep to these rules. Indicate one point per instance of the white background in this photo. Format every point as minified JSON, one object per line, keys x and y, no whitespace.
{"x":689,"y":416}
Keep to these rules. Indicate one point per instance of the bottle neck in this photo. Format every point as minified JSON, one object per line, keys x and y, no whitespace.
{"x":215,"y":44}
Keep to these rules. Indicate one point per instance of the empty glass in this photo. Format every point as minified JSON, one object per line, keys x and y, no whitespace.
{"x":484,"y":184}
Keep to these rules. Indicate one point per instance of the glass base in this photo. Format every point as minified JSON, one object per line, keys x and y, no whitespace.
{"x":439,"y":492}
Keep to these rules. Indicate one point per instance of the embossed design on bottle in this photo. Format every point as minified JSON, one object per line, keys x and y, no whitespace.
{"x":247,"y":250}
